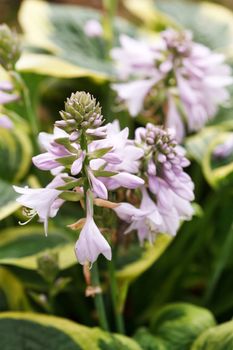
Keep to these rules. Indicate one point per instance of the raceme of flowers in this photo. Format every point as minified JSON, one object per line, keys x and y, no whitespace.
{"x":175,"y":81}
{"x":168,"y":190}
{"x":82,"y":154}
{"x":89,"y":158}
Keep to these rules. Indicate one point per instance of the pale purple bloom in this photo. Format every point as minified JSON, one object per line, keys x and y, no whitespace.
{"x":168,"y":190}
{"x":122,"y":158}
{"x":91,"y":242}
{"x":190,"y":77}
{"x":225,"y":149}
{"x":123,"y":179}
{"x":149,"y":224}
{"x":124,"y":149}
{"x":93,"y":28}
{"x":76,"y":167}
{"x":97,"y":186}
{"x":5,"y":122}
{"x":43,"y":201}
{"x":49,"y":159}
{"x":134,"y":57}
{"x":134,"y":93}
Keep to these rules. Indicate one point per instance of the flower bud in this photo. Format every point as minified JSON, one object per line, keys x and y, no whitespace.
{"x":9,"y":47}
{"x":81,"y":112}
{"x":48,"y":266}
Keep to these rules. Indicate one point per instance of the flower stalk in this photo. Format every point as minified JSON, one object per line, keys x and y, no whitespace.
{"x":120,"y":327}
{"x":99,"y":302}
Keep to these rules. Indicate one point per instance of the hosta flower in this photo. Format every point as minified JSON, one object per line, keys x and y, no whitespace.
{"x":43,"y":201}
{"x":82,"y":139}
{"x":168,"y":190}
{"x":178,"y":82}
{"x":93,"y":28}
{"x":86,"y":156}
{"x":91,"y":242}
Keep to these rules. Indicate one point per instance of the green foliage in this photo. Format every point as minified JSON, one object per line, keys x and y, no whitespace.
{"x":180,"y":324}
{"x":38,"y":332}
{"x":216,"y":338}
{"x":201,"y":148}
{"x":175,"y":327}
{"x":13,"y":290}
{"x":132,"y":271}
{"x":7,"y":199}
{"x":15,"y":154}
{"x":60,"y":29}
{"x":22,"y":246}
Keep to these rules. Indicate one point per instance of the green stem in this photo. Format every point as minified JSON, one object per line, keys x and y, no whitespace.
{"x":99,"y":302}
{"x":110,"y":7}
{"x":32,"y":120}
{"x":114,"y":294}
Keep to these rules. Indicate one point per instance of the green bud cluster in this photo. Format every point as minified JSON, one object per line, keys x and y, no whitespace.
{"x":81,"y":112}
{"x":9,"y":47}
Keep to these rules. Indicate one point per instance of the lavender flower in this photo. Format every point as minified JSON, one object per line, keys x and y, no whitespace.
{"x":93,"y":28}
{"x":44,"y":202}
{"x":91,"y":243}
{"x":183,"y":80}
{"x":168,"y":190}
{"x":105,"y":149}
{"x":89,"y":159}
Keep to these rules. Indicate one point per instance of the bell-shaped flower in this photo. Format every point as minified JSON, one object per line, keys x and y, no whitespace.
{"x":43,"y":201}
{"x":91,"y":242}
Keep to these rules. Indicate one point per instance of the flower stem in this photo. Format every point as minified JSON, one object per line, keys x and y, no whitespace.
{"x":110,"y":7}
{"x":114,"y":294}
{"x":99,"y":302}
{"x":32,"y":120}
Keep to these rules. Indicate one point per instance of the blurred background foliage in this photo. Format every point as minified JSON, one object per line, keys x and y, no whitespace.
{"x":178,"y":291}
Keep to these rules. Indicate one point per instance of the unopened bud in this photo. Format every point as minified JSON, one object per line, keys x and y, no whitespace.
{"x":9,"y":47}
{"x":81,"y":112}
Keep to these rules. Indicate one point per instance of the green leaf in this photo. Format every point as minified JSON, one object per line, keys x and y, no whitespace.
{"x":22,"y":246}
{"x":149,"y":341}
{"x":215,"y":173}
{"x":194,"y":16}
{"x":67,"y":160}
{"x":201,"y":147}
{"x":132,"y":271}
{"x":216,"y":338}
{"x":59,"y":29}
{"x":99,"y":153}
{"x":13,"y":290}
{"x":104,"y":173}
{"x":70,"y":185}
{"x":39,"y":332}
{"x":71,"y":196}
{"x":178,"y":325}
{"x":196,"y":145}
{"x":8,"y":197}
{"x":15,"y":154}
